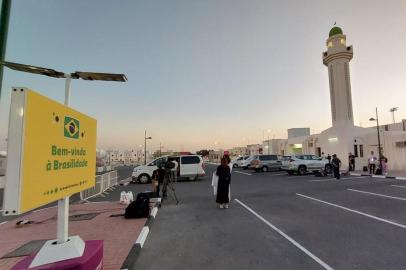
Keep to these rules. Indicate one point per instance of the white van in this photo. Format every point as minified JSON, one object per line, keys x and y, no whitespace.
{"x":190,"y":166}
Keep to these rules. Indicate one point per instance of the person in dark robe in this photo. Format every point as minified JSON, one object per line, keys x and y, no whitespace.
{"x":223,"y":186}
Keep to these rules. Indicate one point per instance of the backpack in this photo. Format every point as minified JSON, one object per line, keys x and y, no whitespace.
{"x":138,"y":208}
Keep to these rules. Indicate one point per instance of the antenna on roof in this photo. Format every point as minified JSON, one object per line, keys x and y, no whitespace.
{"x":335,"y":23}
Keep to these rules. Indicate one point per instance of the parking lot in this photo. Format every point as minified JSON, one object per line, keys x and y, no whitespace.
{"x":277,"y":221}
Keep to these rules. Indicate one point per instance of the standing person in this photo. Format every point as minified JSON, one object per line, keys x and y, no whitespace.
{"x":384,"y":168}
{"x":158,"y":175}
{"x":223,"y":185}
{"x":371,"y":163}
{"x":323,"y":156}
{"x":336,"y":162}
{"x":351,"y":160}
{"x":174,"y":170}
{"x":329,"y":158}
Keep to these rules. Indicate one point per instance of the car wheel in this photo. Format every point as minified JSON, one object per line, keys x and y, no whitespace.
{"x":244,"y":168}
{"x":328,"y":169}
{"x":290,"y":172}
{"x":265,"y":169}
{"x":301,"y":170}
{"x":143,"y":178}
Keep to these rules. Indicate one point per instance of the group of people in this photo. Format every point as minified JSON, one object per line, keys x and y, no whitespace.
{"x":375,"y":166}
{"x":373,"y":161}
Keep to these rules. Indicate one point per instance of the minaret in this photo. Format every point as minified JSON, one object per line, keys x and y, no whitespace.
{"x":337,"y":59}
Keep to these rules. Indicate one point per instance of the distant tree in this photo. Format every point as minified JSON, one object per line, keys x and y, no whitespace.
{"x":203,"y":153}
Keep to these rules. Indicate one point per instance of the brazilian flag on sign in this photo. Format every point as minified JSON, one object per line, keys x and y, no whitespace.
{"x":71,"y":128}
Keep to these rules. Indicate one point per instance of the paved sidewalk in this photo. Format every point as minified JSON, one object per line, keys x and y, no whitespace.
{"x":118,"y":234}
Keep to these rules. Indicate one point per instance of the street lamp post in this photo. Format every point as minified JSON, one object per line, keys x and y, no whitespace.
{"x":4,"y":22}
{"x":379,"y":138}
{"x":145,"y":147}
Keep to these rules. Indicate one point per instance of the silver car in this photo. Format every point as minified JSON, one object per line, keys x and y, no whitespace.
{"x":265,"y":163}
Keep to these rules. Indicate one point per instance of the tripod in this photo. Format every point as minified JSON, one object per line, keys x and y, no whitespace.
{"x":169,"y":186}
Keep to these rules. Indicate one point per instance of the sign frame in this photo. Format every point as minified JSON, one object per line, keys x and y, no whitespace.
{"x":15,"y":196}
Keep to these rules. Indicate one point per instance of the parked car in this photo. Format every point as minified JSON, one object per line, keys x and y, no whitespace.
{"x":246,"y":163}
{"x":237,"y":162}
{"x":302,"y":164}
{"x":265,"y":163}
{"x":190,"y":166}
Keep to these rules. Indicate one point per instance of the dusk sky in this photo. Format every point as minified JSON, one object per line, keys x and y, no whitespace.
{"x":208,"y":73}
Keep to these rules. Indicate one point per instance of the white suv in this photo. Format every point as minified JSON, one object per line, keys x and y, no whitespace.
{"x":306,"y":163}
{"x":190,"y":166}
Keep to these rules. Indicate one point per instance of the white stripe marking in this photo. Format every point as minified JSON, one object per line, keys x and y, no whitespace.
{"x":154,"y":212}
{"x":4,"y":222}
{"x":400,"y":178}
{"x":242,"y":173}
{"x":287,"y":237}
{"x":272,"y":174}
{"x":354,"y":211}
{"x":377,"y":194}
{"x":143,"y":236}
{"x":398,"y":186}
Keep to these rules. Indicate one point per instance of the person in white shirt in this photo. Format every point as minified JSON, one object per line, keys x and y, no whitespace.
{"x":174,"y":170}
{"x":372,"y":162}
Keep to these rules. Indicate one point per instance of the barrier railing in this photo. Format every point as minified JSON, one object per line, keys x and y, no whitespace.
{"x":103,"y":182}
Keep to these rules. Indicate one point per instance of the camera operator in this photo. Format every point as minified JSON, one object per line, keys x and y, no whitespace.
{"x":158,"y":175}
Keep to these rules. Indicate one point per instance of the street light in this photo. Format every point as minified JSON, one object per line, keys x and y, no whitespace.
{"x":379,"y":139}
{"x":393,"y":110}
{"x":145,"y":145}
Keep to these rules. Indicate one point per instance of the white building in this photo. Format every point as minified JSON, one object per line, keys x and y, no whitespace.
{"x":344,"y":137}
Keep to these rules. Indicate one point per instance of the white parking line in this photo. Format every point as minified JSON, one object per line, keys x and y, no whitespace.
{"x":287,"y":237}
{"x":242,"y":173}
{"x":354,"y":211}
{"x":377,"y":194}
{"x":398,"y":186}
{"x":4,"y":222}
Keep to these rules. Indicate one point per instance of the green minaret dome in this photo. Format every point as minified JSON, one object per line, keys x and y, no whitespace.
{"x":335,"y":31}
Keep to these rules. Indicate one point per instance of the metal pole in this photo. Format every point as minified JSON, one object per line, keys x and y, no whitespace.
{"x":4,"y":21}
{"x":63,"y":204}
{"x":268,"y":144}
{"x":160,"y":150}
{"x":145,"y":148}
{"x":393,"y":116}
{"x":379,"y":141}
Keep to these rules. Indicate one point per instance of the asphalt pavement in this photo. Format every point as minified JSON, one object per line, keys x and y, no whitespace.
{"x":276,"y":221}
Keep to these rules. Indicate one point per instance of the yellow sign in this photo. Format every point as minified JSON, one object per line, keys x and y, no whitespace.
{"x":57,"y":152}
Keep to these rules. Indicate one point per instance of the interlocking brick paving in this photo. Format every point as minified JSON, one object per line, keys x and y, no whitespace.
{"x":118,"y":234}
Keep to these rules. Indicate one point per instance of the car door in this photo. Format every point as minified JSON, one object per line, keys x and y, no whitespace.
{"x":189,"y":165}
{"x":317,"y":162}
{"x":275,"y":162}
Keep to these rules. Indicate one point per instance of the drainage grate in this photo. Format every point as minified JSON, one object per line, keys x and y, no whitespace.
{"x":79,"y":217}
{"x":26,"y":249}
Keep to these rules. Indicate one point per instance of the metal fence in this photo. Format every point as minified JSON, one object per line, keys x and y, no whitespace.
{"x":103,"y":182}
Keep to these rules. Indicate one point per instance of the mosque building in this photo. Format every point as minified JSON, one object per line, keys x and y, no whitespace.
{"x":343,"y":137}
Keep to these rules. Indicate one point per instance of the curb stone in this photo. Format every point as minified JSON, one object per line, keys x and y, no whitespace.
{"x":378,"y":176}
{"x":135,"y":251}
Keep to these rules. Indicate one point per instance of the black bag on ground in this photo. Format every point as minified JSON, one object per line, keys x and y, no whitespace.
{"x":365,"y":169}
{"x":138,"y":208}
